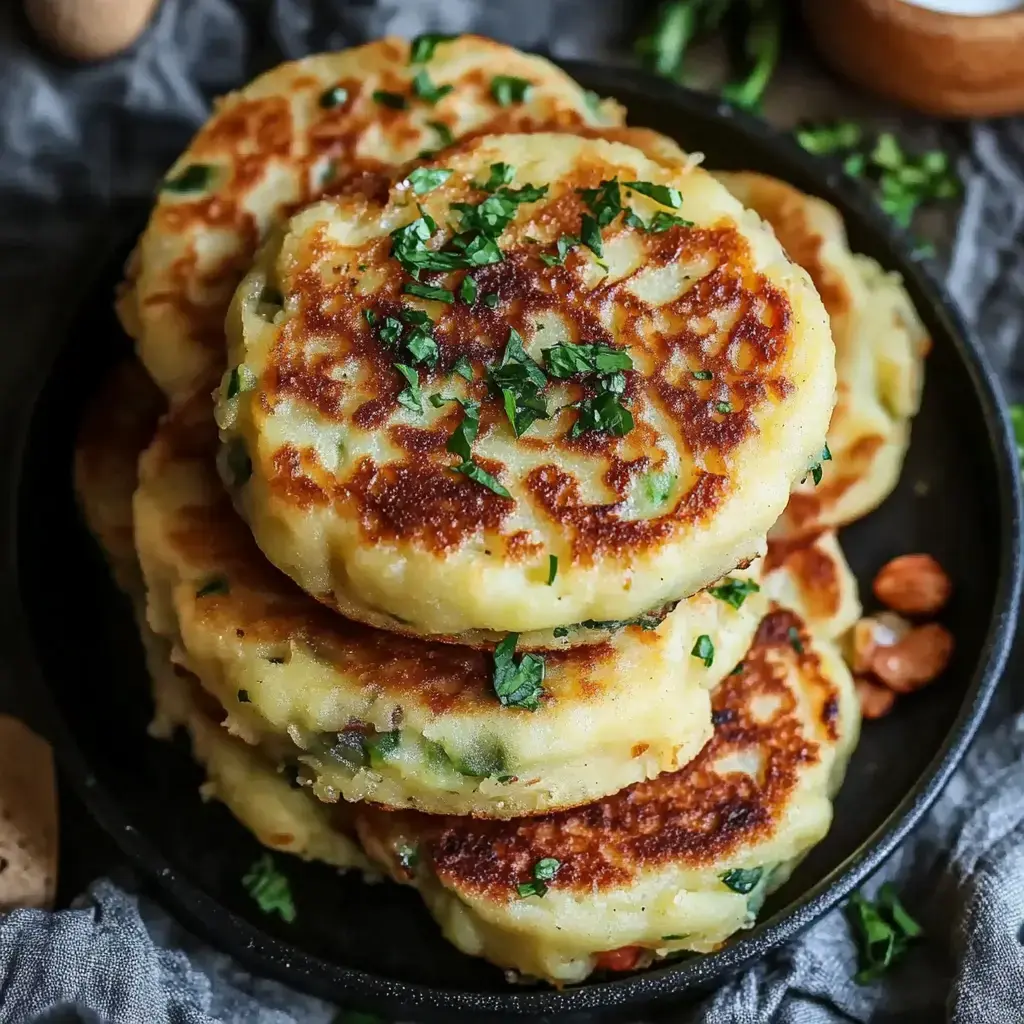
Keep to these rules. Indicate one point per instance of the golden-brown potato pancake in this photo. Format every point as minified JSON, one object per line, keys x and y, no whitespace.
{"x":880,"y":349}
{"x":326,"y":123}
{"x":640,"y":406}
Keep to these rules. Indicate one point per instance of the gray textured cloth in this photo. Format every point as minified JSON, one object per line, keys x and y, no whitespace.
{"x":78,"y":144}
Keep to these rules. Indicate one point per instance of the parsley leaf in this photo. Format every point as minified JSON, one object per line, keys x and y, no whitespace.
{"x":463,"y":368}
{"x":426,"y":291}
{"x":461,"y":441}
{"x":544,"y":871}
{"x":507,"y":89}
{"x":194,"y":178}
{"x":605,"y":201}
{"x":552,"y":568}
{"x":491,"y":300}
{"x":723,"y":407}
{"x":659,"y":193}
{"x":410,"y":396}
{"x":733,"y":591}
{"x":815,"y":470}
{"x":468,"y":290}
{"x":702,"y":374}
{"x":270,"y":888}
{"x":394,"y":100}
{"x":519,"y":380}
{"x":883,"y":930}
{"x":562,"y":247}
{"x":240,"y":379}
{"x":590,"y":235}
{"x":517,"y":685}
{"x":663,"y":220}
{"x":646,"y":620}
{"x":565,"y":360}
{"x":761,"y":47}
{"x":501,"y":174}
{"x":426,"y":179}
{"x":421,"y":49}
{"x":743,"y":880}
{"x":704,"y":649}
{"x":480,"y":475}
{"x":333,"y":97}
{"x":426,"y":90}
{"x":444,"y":133}
{"x":603,"y":412}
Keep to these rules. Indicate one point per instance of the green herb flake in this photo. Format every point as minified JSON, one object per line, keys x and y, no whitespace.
{"x":491,"y":300}
{"x":593,"y":102}
{"x":444,"y":133}
{"x":566,"y":360}
{"x":424,"y":87}
{"x":517,"y":685}
{"x":240,"y":379}
{"x":394,"y":100}
{"x":422,"y":48}
{"x":408,"y":856}
{"x":461,"y":441}
{"x":663,"y":194}
{"x":194,"y":178}
{"x":501,"y":174}
{"x":410,"y":397}
{"x":519,"y":380}
{"x":663,"y":220}
{"x":562,"y":247}
{"x":382,"y":746}
{"x":270,"y":888}
{"x":793,"y":635}
{"x":335,"y":96}
{"x":704,"y":649}
{"x":603,"y":412}
{"x":243,"y":697}
{"x":734,"y":591}
{"x":674,"y":27}
{"x":463,"y":368}
{"x":823,"y":140}
{"x":702,"y":375}
{"x":468,"y":290}
{"x":426,"y":179}
{"x":507,"y":89}
{"x":743,"y":880}
{"x":604,"y":202}
{"x":723,"y":407}
{"x":544,"y":871}
{"x":590,"y":235}
{"x":559,"y":632}
{"x":883,"y":931}
{"x":761,"y":45}
{"x":552,"y":568}
{"x":425,"y":291}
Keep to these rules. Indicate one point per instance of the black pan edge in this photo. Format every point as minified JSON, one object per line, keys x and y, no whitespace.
{"x":269,"y":956}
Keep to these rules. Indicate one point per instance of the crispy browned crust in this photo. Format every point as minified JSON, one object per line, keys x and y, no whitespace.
{"x":815,"y":571}
{"x":692,"y":818}
{"x":418,"y":499}
{"x":263,"y":607}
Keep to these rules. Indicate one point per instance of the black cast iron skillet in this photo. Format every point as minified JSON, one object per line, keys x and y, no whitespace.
{"x":70,"y":643}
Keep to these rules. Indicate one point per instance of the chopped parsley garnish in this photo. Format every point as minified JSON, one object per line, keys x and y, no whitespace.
{"x":654,"y":489}
{"x":603,"y":412}
{"x":424,"y":87}
{"x":407,"y":856}
{"x":240,"y":379}
{"x":463,"y":368}
{"x":705,"y":650}
{"x":646,"y":621}
{"x":593,"y":101}
{"x":218,"y":585}
{"x":468,"y":290}
{"x":743,"y":880}
{"x":760,"y":55}
{"x":507,"y":89}
{"x":552,"y":568}
{"x":422,"y":48}
{"x":501,"y":174}
{"x":544,"y":871}
{"x":590,"y":235}
{"x":394,"y":100}
{"x":661,"y":221}
{"x":461,"y":444}
{"x":426,"y":291}
{"x":410,"y":396}
{"x":823,"y":140}
{"x":562,"y":247}
{"x":243,"y":697}
{"x":702,"y":375}
{"x":519,"y":380}
{"x":414,"y":332}
{"x":381,"y":746}
{"x":659,"y":193}
{"x":883,"y":930}
{"x":444,"y":133}
{"x":560,"y":631}
{"x":517,"y":685}
{"x":194,"y":178}
{"x":793,"y":635}
{"x":604,"y":202}
{"x":237,"y":463}
{"x":491,"y":299}
{"x":733,"y":591}
{"x":426,"y":179}
{"x":723,"y":407}
{"x":270,"y":888}
{"x":333,"y":97}
{"x":565,"y":360}
{"x":815,"y":470}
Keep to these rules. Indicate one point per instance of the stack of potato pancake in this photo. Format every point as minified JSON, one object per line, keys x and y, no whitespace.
{"x":447,"y":515}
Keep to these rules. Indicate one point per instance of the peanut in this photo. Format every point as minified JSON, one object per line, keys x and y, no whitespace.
{"x":872,"y":632}
{"x":876,"y":700}
{"x":915,"y":660}
{"x":913,"y":585}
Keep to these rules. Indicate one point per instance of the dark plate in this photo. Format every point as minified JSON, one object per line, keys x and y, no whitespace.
{"x":70,"y":635}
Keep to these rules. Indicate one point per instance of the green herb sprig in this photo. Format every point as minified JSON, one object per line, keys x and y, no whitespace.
{"x":270,"y":888}
{"x":517,"y":684}
{"x":883,"y":930}
{"x":543,"y":872}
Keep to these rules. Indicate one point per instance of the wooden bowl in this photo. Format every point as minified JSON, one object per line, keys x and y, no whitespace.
{"x":945,"y":64}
